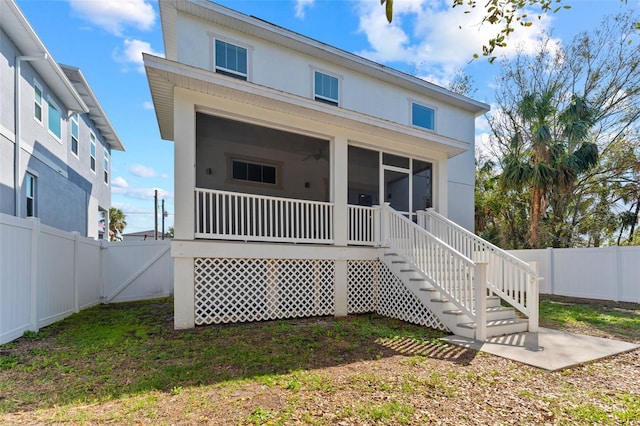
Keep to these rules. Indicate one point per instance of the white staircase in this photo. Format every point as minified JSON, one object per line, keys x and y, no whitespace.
{"x":466,"y":295}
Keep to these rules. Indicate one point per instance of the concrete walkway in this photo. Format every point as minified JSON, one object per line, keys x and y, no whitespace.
{"x":547,"y":349}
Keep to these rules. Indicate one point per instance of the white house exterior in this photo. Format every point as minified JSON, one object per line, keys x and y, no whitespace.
{"x":297,"y":165}
{"x":55,"y":139}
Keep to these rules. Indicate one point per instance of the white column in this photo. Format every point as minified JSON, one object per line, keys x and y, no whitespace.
{"x":341,"y":303}
{"x":183,"y":293}
{"x":339,"y":182}
{"x":441,"y":187}
{"x":184,"y":165}
{"x":184,"y":189}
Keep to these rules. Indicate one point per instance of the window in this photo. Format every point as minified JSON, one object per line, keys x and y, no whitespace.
{"x":106,"y":166}
{"x":92,"y":138}
{"x":231,"y":60}
{"x":30,"y":190}
{"x":54,"y":120}
{"x":325,"y":88}
{"x":254,"y":172}
{"x":423,"y":116}
{"x":75,"y":133}
{"x":37,"y":100}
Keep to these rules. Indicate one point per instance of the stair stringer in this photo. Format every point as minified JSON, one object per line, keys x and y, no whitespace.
{"x":426,"y":291}
{"x":500,"y":321}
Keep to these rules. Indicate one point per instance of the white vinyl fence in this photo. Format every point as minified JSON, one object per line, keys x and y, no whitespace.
{"x":47,"y":274}
{"x":608,"y":273}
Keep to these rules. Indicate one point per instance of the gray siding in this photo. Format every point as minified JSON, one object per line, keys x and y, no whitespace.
{"x":65,"y":183}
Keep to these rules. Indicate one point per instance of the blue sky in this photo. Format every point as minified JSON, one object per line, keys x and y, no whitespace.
{"x":105,"y":38}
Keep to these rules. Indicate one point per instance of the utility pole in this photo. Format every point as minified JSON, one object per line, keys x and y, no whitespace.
{"x":163,"y":216}
{"x":155,"y":215}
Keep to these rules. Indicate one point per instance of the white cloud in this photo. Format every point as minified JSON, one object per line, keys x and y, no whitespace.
{"x":115,"y":16}
{"x":302,"y":6}
{"x":119,"y":182}
{"x":143,"y":171}
{"x":131,"y":53}
{"x":147,"y":105}
{"x":434,"y":36}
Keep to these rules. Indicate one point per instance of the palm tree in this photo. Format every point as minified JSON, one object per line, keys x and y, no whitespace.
{"x":549,"y":152}
{"x":117,"y":221}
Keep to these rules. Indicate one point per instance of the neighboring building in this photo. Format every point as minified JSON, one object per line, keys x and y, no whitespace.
{"x":284,"y":146}
{"x":60,"y":169}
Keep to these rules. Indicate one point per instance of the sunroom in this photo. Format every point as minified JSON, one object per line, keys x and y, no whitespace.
{"x":256,"y":183}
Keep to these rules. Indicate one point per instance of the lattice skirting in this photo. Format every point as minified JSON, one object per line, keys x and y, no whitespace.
{"x":372,"y":287}
{"x":240,"y":290}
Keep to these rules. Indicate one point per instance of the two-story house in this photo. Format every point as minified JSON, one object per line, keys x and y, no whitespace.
{"x":55,"y":138}
{"x":300,"y":171}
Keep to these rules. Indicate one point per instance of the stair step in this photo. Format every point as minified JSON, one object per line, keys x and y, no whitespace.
{"x":417,"y":279}
{"x":428,"y":289}
{"x":407,"y":270}
{"x":398,"y":261}
{"x":491,"y":309}
{"x":391,"y":254}
{"x":496,"y":323}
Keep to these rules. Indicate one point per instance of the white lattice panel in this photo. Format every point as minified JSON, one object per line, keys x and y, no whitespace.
{"x":395,"y":300}
{"x":362,"y":279}
{"x":241,"y":290}
{"x":372,"y":287}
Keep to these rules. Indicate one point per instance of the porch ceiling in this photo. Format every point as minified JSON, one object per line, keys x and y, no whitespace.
{"x":164,"y":75}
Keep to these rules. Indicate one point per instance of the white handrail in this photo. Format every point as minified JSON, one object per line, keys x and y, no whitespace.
{"x":507,"y":276}
{"x":449,"y":270}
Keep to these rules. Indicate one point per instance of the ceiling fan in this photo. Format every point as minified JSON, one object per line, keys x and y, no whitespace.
{"x":317,"y":155}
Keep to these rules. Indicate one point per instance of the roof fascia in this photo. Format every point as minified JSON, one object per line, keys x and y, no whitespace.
{"x":96,"y":112}
{"x":179,"y":75}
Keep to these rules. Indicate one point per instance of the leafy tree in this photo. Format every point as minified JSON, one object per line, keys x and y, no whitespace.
{"x":566,"y":133}
{"x":117,"y":221}
{"x":505,"y":14}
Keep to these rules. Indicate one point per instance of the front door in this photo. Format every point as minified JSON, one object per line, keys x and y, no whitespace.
{"x":405,"y":183}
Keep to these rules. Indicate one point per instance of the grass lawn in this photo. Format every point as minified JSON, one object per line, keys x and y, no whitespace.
{"x":124,"y":363}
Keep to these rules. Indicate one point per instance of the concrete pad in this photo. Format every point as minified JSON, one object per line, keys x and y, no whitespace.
{"x":547,"y":349}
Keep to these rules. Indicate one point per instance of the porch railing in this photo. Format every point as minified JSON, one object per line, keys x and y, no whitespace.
{"x":449,"y":270}
{"x":507,"y":276}
{"x":363,"y":229}
{"x":236,"y":216}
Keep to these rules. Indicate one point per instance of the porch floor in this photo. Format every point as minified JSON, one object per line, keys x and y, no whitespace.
{"x":547,"y":349}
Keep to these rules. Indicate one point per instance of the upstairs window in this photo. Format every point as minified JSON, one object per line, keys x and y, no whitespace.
{"x":254,"y":172}
{"x":106,"y":166}
{"x":30,"y":191}
{"x":326,"y":88}
{"x":231,"y":60}
{"x":75,"y":133}
{"x":423,"y":116}
{"x":54,"y":120}
{"x":92,"y":139}
{"x":37,"y":100}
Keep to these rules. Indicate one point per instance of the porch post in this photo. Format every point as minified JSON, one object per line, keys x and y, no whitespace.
{"x":183,"y":293}
{"x":184,"y":165}
{"x":441,"y":187}
{"x":339,"y":182}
